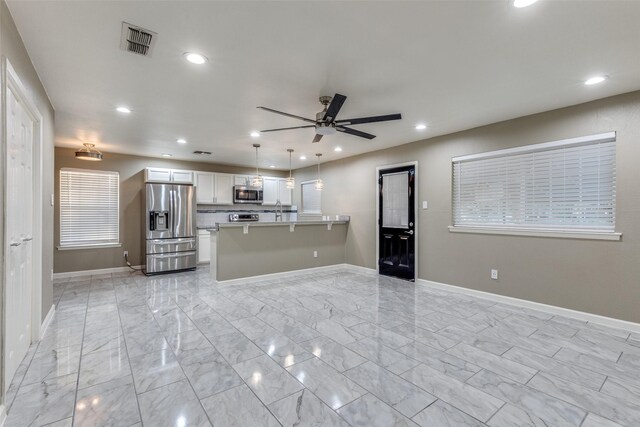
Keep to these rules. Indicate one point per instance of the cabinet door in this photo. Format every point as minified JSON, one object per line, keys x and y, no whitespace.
{"x":205,"y":187}
{"x":241,"y":180}
{"x":185,"y":177}
{"x":269,"y":191}
{"x":157,"y":175}
{"x":204,"y":246}
{"x":224,"y":189}
{"x":284,"y":193}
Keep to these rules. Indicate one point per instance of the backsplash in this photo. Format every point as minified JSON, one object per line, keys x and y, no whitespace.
{"x":209,"y":216}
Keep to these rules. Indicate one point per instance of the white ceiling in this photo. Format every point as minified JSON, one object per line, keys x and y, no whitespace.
{"x":453,"y":65}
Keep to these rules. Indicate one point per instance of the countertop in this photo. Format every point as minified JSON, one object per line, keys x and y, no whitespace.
{"x":273,"y":223}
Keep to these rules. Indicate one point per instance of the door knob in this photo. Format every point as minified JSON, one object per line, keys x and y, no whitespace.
{"x":409,"y":232}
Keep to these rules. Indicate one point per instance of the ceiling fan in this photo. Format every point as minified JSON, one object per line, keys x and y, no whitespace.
{"x":326,"y":123}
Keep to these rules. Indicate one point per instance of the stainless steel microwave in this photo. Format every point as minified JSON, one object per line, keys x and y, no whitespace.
{"x":243,"y":194}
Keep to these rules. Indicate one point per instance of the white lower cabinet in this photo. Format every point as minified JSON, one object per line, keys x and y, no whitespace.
{"x":204,"y":246}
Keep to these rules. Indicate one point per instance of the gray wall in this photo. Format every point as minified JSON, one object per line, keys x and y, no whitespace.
{"x":600,"y":277}
{"x":12,"y":48}
{"x":131,"y":170}
{"x":274,"y":249}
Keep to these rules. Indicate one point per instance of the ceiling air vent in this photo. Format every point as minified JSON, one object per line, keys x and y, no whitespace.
{"x":202,"y":152}
{"x":137,"y":39}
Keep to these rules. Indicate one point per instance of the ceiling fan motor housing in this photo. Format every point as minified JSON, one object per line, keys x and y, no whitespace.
{"x":324,"y":128}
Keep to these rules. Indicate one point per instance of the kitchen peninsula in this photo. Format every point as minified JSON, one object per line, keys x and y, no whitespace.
{"x":241,"y":250}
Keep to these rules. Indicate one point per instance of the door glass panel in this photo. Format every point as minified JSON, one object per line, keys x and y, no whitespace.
{"x":395,"y":200}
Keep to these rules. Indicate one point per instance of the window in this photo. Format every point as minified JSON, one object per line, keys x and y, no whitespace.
{"x":89,"y":208}
{"x":567,"y":185}
{"x":310,"y":198}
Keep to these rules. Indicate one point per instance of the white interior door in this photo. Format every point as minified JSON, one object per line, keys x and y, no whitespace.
{"x":19,"y":233}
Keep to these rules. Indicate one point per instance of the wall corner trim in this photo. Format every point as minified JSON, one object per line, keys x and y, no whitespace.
{"x":550,"y":309}
{"x":47,"y":320}
{"x":3,"y":415}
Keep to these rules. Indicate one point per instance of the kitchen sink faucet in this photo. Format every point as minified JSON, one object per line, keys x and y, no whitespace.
{"x":278,"y":215}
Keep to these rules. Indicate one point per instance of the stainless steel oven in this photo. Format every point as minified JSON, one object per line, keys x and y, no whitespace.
{"x":243,"y":194}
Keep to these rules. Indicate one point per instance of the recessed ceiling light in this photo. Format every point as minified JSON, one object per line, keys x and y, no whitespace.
{"x":595,"y":80}
{"x":421,"y":126}
{"x":166,"y":155}
{"x":255,"y":134}
{"x":303,"y":157}
{"x":123,"y":110}
{"x":523,"y":3}
{"x":272,"y":166}
{"x":181,"y":141}
{"x":195,"y":58}
{"x":337,"y":149}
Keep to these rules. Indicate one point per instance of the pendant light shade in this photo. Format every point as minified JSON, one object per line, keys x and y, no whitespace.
{"x":89,"y":152}
{"x":319,"y":184}
{"x":256,"y":181}
{"x":291,"y":182}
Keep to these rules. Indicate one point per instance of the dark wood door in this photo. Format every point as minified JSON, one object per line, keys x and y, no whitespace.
{"x":396,"y":223}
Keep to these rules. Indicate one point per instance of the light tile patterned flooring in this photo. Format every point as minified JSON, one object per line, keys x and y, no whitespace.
{"x":333,"y":348}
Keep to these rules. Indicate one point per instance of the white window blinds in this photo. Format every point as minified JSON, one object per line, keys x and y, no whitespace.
{"x":561,"y":185}
{"x":310,"y":198}
{"x":89,"y":207}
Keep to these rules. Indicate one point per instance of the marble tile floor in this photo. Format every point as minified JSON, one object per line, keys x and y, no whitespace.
{"x":333,"y":348}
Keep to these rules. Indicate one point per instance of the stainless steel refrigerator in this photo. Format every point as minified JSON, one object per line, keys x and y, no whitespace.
{"x":171,"y":237}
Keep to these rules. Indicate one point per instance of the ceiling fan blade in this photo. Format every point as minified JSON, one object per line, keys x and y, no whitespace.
{"x":334,"y":107}
{"x":354,"y":132}
{"x":295,"y":127}
{"x":287,"y":114}
{"x":317,"y":138}
{"x":371,"y":119}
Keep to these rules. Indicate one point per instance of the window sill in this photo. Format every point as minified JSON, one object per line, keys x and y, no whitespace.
{"x":529,"y":232}
{"x":96,"y":246}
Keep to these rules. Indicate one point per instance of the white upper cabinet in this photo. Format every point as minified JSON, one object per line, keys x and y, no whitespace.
{"x":284,"y":193}
{"x":214,"y":188}
{"x":205,"y":187}
{"x":183,"y":177}
{"x":157,"y":175}
{"x":223,"y":189}
{"x":241,"y":180}
{"x":168,"y":175}
{"x":274,"y":190}
{"x":269,"y":191}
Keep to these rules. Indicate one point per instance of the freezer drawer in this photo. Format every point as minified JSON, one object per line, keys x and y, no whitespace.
{"x":162,"y":263}
{"x":163,"y":246}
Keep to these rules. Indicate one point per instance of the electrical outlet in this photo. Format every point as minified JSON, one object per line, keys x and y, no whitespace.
{"x":126,"y":254}
{"x":494,"y":274}
{"x":315,"y":254}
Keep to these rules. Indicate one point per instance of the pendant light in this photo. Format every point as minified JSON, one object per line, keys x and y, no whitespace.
{"x":89,"y":152}
{"x":291,"y":181}
{"x":256,"y":181}
{"x":319,"y":184}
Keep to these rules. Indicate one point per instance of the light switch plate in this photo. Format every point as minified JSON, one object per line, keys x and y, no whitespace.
{"x":425,"y":204}
{"x":52,"y":200}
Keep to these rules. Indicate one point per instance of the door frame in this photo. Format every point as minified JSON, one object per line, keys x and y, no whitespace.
{"x":415,"y":212}
{"x":11,"y":80}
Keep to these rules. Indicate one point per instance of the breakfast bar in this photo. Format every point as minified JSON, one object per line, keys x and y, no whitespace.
{"x":240,"y":250}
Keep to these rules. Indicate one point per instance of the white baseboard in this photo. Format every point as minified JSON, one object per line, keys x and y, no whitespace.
{"x":69,"y":274}
{"x":3,"y":415}
{"x":361,"y":269}
{"x":551,"y":309}
{"x":47,"y":320}
{"x":283,"y":274}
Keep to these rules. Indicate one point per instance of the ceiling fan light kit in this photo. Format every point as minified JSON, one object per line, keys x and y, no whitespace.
{"x":326,"y":122}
